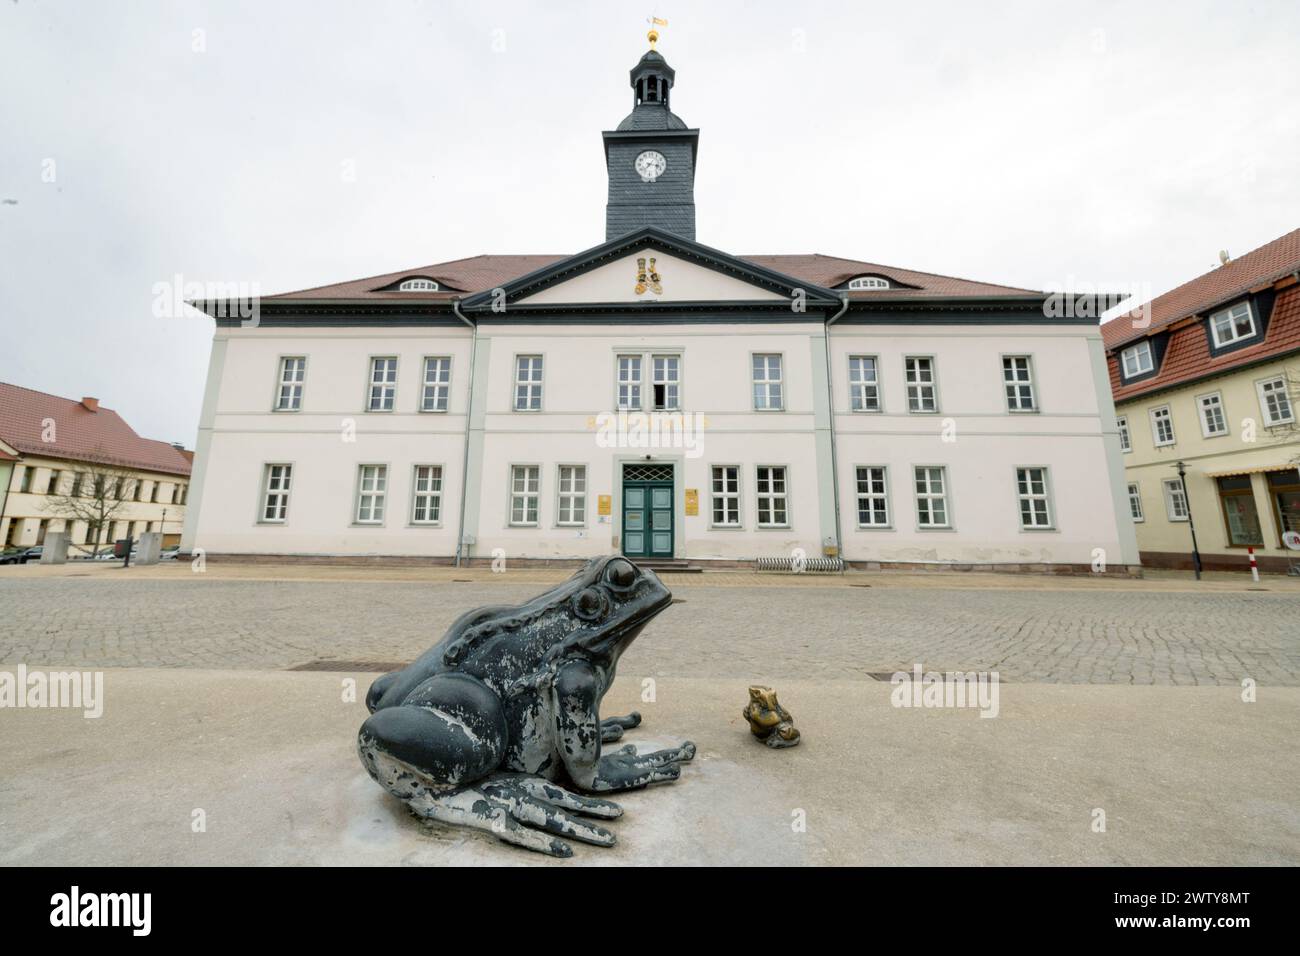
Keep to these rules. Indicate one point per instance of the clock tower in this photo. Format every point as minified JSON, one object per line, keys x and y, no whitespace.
{"x":650,"y":158}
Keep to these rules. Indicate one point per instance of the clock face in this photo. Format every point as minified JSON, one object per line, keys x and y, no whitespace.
{"x":650,"y":165}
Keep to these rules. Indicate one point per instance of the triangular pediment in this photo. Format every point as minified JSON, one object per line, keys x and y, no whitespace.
{"x":650,"y":268}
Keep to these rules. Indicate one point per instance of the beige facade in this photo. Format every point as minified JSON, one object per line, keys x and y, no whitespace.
{"x":1240,"y":463}
{"x":150,"y":501}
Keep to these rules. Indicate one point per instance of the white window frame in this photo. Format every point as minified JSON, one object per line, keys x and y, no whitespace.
{"x":533,"y":385}
{"x":725,"y":496}
{"x":372,"y":494}
{"x":1211,"y":401}
{"x":931,"y":495}
{"x":872,"y":495}
{"x":1012,"y":384}
{"x":775,"y":499}
{"x":1153,"y":415}
{"x":628,"y":388}
{"x":290,"y":401}
{"x":441,"y":387}
{"x":864,"y":392}
{"x":1138,"y":352}
{"x":916,"y":384}
{"x":570,"y":498}
{"x":767,"y":385}
{"x":534,"y":493}
{"x":418,"y":285}
{"x":1027,"y":493}
{"x":381,"y":389}
{"x":427,"y":490}
{"x":1230,"y":316}
{"x":1263,"y":388}
{"x":1135,"y":502}
{"x":277,"y":486}
{"x":672,"y":385}
{"x":860,"y":283}
{"x":1173,"y":491}
{"x":1125,"y":436}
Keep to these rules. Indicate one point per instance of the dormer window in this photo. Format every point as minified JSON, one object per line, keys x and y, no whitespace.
{"x":1232,"y":325}
{"x":868,"y":282}
{"x":1136,"y":359}
{"x":418,"y":285}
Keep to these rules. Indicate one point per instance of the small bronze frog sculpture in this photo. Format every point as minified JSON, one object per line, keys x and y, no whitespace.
{"x":479,"y":729}
{"x":768,"y":720}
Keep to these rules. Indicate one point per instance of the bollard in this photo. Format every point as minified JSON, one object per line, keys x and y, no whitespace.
{"x":1254,"y":568}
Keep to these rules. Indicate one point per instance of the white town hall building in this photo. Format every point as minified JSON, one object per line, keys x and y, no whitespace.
{"x":658,"y":397}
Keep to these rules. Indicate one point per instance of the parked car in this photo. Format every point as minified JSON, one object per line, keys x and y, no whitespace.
{"x":169,"y":554}
{"x":21,"y":555}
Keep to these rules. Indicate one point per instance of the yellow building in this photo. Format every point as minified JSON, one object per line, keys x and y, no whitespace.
{"x":76,"y":466}
{"x":1207,"y":375}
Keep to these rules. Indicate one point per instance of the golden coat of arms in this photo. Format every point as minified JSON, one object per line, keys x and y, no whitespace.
{"x":647,"y":278}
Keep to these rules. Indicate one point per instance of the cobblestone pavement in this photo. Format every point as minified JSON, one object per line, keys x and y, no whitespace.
{"x":754,"y":633}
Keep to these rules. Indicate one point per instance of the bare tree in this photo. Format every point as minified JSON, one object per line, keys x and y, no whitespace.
{"x":92,"y":493}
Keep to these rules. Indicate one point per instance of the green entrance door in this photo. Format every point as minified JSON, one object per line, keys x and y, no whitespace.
{"x":648,"y":511}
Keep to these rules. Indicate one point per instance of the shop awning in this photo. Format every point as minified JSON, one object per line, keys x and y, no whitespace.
{"x":1252,"y":470}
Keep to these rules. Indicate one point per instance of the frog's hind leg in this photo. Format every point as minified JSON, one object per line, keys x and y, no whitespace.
{"x":611,"y":728}
{"x":449,"y":732}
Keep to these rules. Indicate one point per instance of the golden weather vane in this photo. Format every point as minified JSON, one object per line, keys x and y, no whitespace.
{"x":653,"y":35}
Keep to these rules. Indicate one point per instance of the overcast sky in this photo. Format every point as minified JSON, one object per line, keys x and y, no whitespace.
{"x":292,"y":144}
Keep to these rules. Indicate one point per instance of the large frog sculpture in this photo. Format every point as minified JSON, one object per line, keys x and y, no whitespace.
{"x":481,"y":730}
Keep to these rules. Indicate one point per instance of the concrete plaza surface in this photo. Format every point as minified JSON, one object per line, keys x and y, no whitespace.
{"x":1185,"y":775}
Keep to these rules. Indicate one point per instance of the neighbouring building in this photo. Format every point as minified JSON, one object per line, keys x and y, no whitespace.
{"x":68,"y":465}
{"x":659,"y":397}
{"x":1207,"y":375}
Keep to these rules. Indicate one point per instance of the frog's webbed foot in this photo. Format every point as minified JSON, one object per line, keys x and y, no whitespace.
{"x":510,"y":805}
{"x":625,"y":769}
{"x":611,"y":728}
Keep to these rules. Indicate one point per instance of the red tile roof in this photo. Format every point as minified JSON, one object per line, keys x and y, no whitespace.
{"x":478,"y":273}
{"x":1188,"y":356}
{"x":1261,"y":266}
{"x":79,"y":434}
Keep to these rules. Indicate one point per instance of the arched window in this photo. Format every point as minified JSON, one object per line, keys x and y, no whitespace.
{"x":868,"y":282}
{"x":418,"y":285}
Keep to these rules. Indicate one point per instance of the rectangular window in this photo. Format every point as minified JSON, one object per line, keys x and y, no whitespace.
{"x":873,"y":497}
{"x":275,"y":492}
{"x":1213,"y":421}
{"x":768,"y":395}
{"x":667,"y":379}
{"x":372,"y":487}
{"x":528,"y":383}
{"x":1135,"y":501}
{"x":437,"y":383}
{"x":931,"y":497}
{"x":1162,"y":426}
{"x":726,"y":496}
{"x":772,"y":497}
{"x":1125,"y":440}
{"x":1275,"y":402}
{"x":1018,"y":379}
{"x":1031,"y":489}
{"x":293,"y":370}
{"x":629,"y":382}
{"x":921,"y":395}
{"x":1136,"y":359}
{"x":1175,"y":499}
{"x":525,"y":492}
{"x":573,"y":495}
{"x":426,"y":504}
{"x":1232,"y":324}
{"x":1237,"y":497}
{"x":25,"y":480}
{"x":383,"y":384}
{"x":864,"y":383}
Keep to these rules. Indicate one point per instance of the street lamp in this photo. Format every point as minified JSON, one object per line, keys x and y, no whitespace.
{"x":1187,"y":503}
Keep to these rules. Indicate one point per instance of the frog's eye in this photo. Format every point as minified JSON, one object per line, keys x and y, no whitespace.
{"x":589,"y":604}
{"x":620,"y":574}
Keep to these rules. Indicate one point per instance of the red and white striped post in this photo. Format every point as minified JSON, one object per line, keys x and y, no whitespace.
{"x":1254,"y":568}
